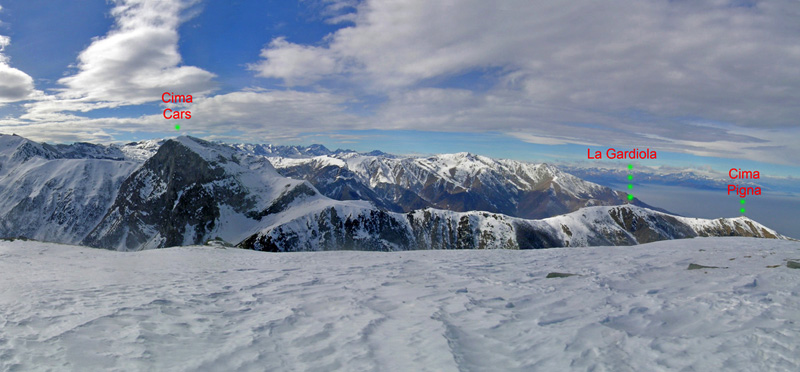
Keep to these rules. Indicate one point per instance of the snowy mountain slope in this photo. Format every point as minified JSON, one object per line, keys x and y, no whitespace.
{"x":333,"y":226}
{"x":298,"y":152}
{"x":46,"y":196}
{"x":199,"y":308}
{"x":191,"y":191}
{"x":15,"y":150}
{"x":84,"y":150}
{"x":140,"y":151}
{"x":458,"y":182}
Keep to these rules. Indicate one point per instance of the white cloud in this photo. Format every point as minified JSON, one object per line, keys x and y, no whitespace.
{"x":134,"y":63}
{"x":137,"y":61}
{"x":15,"y":85}
{"x":702,"y":77}
{"x":272,"y":114}
{"x":549,"y":140}
{"x":247,"y":116}
{"x":636,"y":73}
{"x":295,"y":64}
{"x":459,"y":110}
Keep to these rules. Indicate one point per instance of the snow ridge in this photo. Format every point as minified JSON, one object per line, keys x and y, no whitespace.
{"x":333,"y":226}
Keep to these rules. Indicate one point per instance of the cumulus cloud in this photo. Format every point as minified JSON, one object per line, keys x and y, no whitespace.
{"x":138,"y":60}
{"x":295,"y":64}
{"x":134,"y":63}
{"x":15,"y":85}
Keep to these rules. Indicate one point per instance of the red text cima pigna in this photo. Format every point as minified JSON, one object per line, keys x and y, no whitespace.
{"x":743,"y":191}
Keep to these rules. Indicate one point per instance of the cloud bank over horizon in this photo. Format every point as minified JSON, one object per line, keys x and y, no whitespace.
{"x":710,"y":78}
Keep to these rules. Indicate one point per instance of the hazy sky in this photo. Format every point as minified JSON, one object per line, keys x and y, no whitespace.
{"x":716,"y":81}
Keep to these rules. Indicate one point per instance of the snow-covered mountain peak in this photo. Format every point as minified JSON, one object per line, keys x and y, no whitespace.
{"x":193,"y":190}
{"x":11,"y":142}
{"x":459,"y":182}
{"x":294,"y":152}
{"x":142,"y":150}
{"x":208,"y":150}
{"x":18,"y":149}
{"x":49,"y":195}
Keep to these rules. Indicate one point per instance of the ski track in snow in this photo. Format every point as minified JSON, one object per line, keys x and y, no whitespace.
{"x":199,"y":308}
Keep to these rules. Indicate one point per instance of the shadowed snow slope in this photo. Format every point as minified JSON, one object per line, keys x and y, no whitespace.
{"x":199,"y":308}
{"x":46,"y":195}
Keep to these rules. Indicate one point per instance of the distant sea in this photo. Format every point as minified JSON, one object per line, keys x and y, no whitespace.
{"x":780,"y":212}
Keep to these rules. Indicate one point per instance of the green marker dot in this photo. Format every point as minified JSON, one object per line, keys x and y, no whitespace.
{"x":630,"y":166}
{"x":630,"y":176}
{"x":742,"y":201}
{"x":630,"y":186}
{"x":177,"y":127}
{"x":742,"y":210}
{"x":630,"y":197}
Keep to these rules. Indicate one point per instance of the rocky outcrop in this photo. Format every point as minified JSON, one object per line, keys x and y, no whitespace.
{"x":368,"y":229}
{"x":180,"y":194}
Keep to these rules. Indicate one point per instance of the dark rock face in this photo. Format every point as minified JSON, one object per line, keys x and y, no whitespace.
{"x":745,"y":228}
{"x":83,"y":150}
{"x":378,"y":230}
{"x":432,"y":229}
{"x":340,"y":184}
{"x":369,"y":229}
{"x":652,"y":227}
{"x":533,"y":237}
{"x":174,"y":191}
{"x":372,"y":230}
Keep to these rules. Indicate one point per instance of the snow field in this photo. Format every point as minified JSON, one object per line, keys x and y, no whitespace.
{"x":198,"y":308}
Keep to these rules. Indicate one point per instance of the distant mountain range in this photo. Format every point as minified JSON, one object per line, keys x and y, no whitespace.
{"x":695,"y":179}
{"x":457,"y":182}
{"x":185,"y":191}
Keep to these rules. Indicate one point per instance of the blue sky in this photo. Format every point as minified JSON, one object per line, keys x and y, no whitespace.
{"x":705,"y":83}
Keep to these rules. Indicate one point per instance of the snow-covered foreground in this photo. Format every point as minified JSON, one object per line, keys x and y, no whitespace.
{"x":198,"y":308}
